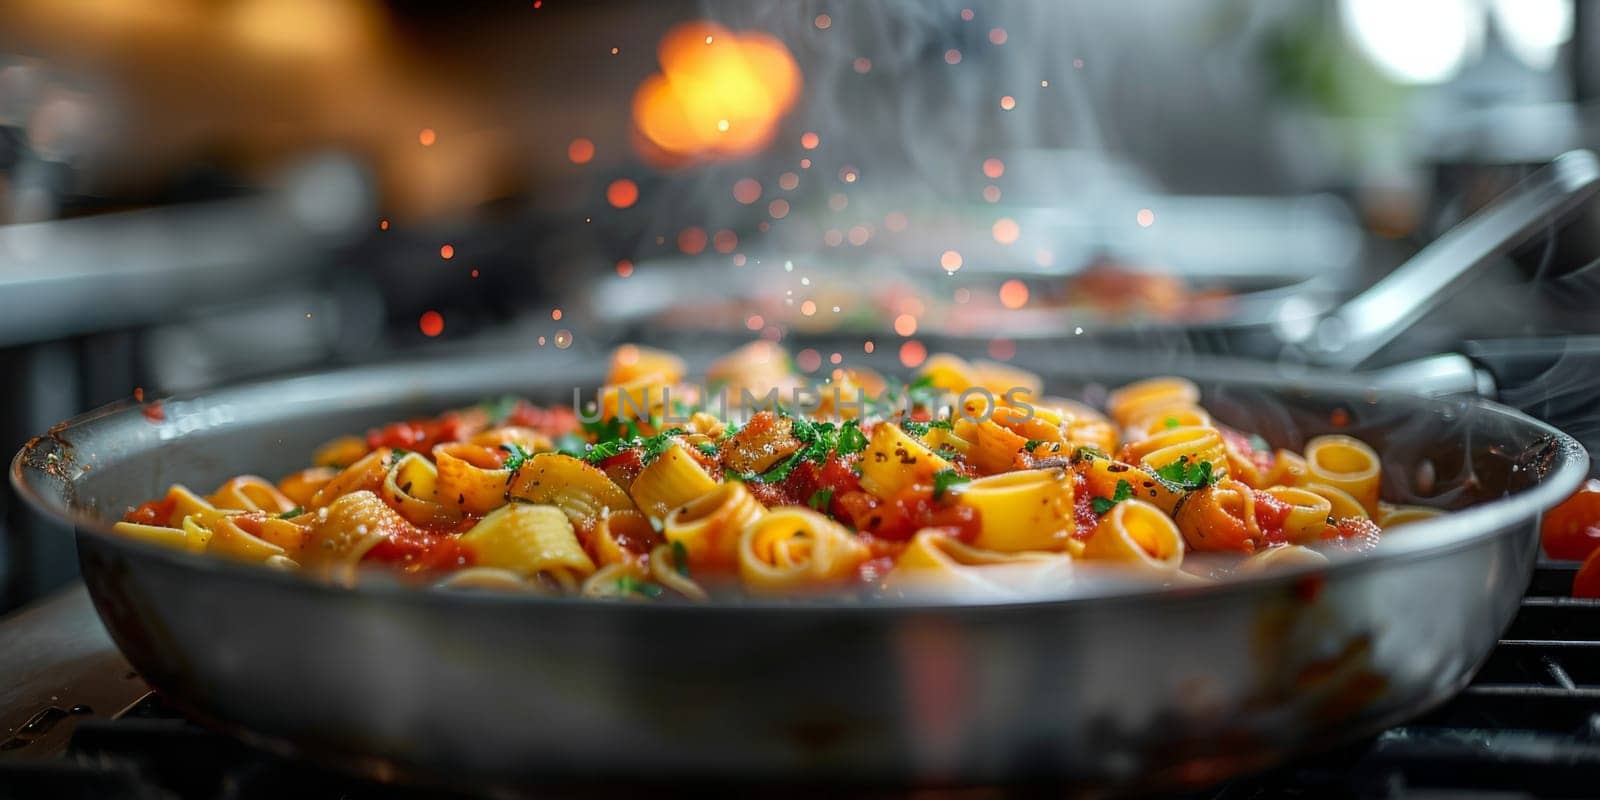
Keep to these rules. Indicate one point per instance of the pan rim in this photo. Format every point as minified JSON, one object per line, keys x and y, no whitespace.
{"x":1423,"y":539}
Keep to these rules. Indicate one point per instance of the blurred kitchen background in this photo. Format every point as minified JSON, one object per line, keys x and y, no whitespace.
{"x":195,"y":192}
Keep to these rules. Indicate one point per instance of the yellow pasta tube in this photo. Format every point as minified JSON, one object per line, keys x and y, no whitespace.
{"x":486,"y":579}
{"x":470,"y":476}
{"x":300,"y":487}
{"x":1164,"y":419}
{"x":793,"y":548}
{"x":1169,"y":446}
{"x":1102,"y":475}
{"x":994,"y":449}
{"x":576,"y":487}
{"x":1288,"y":469}
{"x":250,"y":493}
{"x":630,"y":361}
{"x":936,"y":563}
{"x":1347,"y":463}
{"x":1343,"y":504}
{"x":1280,"y":558}
{"x":367,"y":473}
{"x":1003,"y":379}
{"x":709,"y":526}
{"x":506,"y":435}
{"x":410,"y":488}
{"x":341,"y":452}
{"x":1137,"y":533}
{"x":672,"y":479}
{"x":948,"y":372}
{"x":532,"y":541}
{"x":175,"y":538}
{"x":344,"y":530}
{"x":231,"y":541}
{"x":1390,"y":516}
{"x":614,"y":529}
{"x":1140,"y":399}
{"x":617,"y":581}
{"x":666,"y":570}
{"x":1220,"y":517}
{"x":1023,"y":510}
{"x":186,"y":503}
{"x":1084,"y":425}
{"x":1308,"y":513}
{"x":894,"y":461}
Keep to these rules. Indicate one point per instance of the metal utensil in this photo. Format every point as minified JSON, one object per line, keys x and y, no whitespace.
{"x":1133,"y":686}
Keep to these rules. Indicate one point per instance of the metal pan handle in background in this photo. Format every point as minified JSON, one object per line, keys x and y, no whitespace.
{"x":1366,"y":323}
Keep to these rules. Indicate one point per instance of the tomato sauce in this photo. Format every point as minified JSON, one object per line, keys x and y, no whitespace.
{"x":1271,"y":514}
{"x":155,"y":512}
{"x":417,"y":434}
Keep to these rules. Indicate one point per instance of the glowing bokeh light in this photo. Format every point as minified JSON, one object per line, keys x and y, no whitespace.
{"x":862,"y":65}
{"x":950,"y":260}
{"x":997,"y":36}
{"x":622,"y":193}
{"x":447,"y":252}
{"x":426,"y":137}
{"x":719,"y":94}
{"x":1006,"y":230}
{"x":905,"y":325}
{"x":789,"y":181}
{"x":383,"y":224}
{"x":810,"y":140}
{"x":692,"y":240}
{"x":431,"y":323}
{"x":952,"y":56}
{"x":755,"y":322}
{"x":563,"y":339}
{"x":1013,"y":294}
{"x":859,"y":234}
{"x":823,"y":22}
{"x":991,"y":193}
{"x":833,"y":237}
{"x":580,"y":151}
{"x":555,"y":314}
{"x":808,"y":360}
{"x":725,"y":241}
{"x":1145,"y":217}
{"x":868,"y":346}
{"x":1002,"y":349}
{"x":624,"y":268}
{"x":993,"y":168}
{"x":912,"y":354}
{"x":895,"y":221}
{"x":1007,"y":103}
{"x":747,"y":190}
{"x":778,"y":208}
{"x":808,"y":308}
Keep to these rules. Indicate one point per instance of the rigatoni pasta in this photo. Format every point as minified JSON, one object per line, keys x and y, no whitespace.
{"x":969,"y":480}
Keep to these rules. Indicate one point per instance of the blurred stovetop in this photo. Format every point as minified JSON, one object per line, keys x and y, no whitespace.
{"x":79,"y":723}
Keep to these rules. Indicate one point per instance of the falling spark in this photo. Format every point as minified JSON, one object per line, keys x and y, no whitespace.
{"x":778,"y":208}
{"x":692,"y":240}
{"x":912,"y":354}
{"x":809,"y":140}
{"x":383,"y":224}
{"x":447,"y":252}
{"x":950,"y":260}
{"x":905,"y":325}
{"x":615,"y":50}
{"x":426,"y":137}
{"x":952,"y":56}
{"x":1006,"y":230}
{"x":993,"y":168}
{"x":624,"y":267}
{"x":474,"y":273}
{"x":997,"y":36}
{"x":563,"y":339}
{"x":555,"y":314}
{"x":1145,"y":217}
{"x":823,"y":22}
{"x":1045,"y":84}
{"x":747,"y":190}
{"x":789,"y":181}
{"x":1013,"y":294}
{"x":580,"y":151}
{"x":431,"y":323}
{"x":710,"y":39}
{"x":622,"y":193}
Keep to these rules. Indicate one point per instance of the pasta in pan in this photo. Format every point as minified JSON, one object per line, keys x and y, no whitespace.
{"x":968,"y":479}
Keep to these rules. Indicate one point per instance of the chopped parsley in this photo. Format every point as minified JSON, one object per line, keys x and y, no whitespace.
{"x":1123,"y":491}
{"x":680,"y":558}
{"x":817,"y":440}
{"x":1170,"y":422}
{"x":707,"y":448}
{"x":946,"y":479}
{"x":627,"y":584}
{"x":820,"y":499}
{"x":1034,"y":444}
{"x":607,"y":430}
{"x":1184,"y":475}
{"x":1087,"y":453}
{"x":916,"y":428}
{"x":571,"y":444}
{"x":519,"y":455}
{"x":652,"y":447}
{"x":293,"y":512}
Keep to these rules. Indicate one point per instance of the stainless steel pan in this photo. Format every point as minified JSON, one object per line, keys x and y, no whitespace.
{"x":1128,"y":687}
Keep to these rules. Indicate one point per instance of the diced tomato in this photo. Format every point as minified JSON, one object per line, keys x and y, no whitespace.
{"x":155,"y":512}
{"x":873,"y":570}
{"x":552,"y":421}
{"x":1355,"y":533}
{"x":908,"y":512}
{"x":416,"y":551}
{"x":1587,"y":582}
{"x":154,"y":412}
{"x":417,"y":434}
{"x":1083,"y":508}
{"x":1240,"y":443}
{"x":623,"y":467}
{"x":1270,"y":516}
{"x":1572,"y":530}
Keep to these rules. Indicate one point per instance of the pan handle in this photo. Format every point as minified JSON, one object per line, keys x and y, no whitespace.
{"x":1352,"y":333}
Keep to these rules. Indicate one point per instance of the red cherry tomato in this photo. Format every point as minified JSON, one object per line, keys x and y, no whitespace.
{"x":1587,"y":582}
{"x":1571,"y":530}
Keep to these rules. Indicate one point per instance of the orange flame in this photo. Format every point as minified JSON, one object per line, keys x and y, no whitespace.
{"x":719,"y":94}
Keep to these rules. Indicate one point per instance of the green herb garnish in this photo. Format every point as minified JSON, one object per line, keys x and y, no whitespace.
{"x":292,"y":513}
{"x":820,"y":499}
{"x":1186,"y":476}
{"x":914,"y":428}
{"x":653,"y":447}
{"x":817,"y":440}
{"x":946,"y":479}
{"x":499,"y":408}
{"x":707,"y":448}
{"x":1123,"y":491}
{"x":1170,"y":422}
{"x":1087,"y":453}
{"x":680,"y":558}
{"x":630,"y":585}
{"x":519,"y":455}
